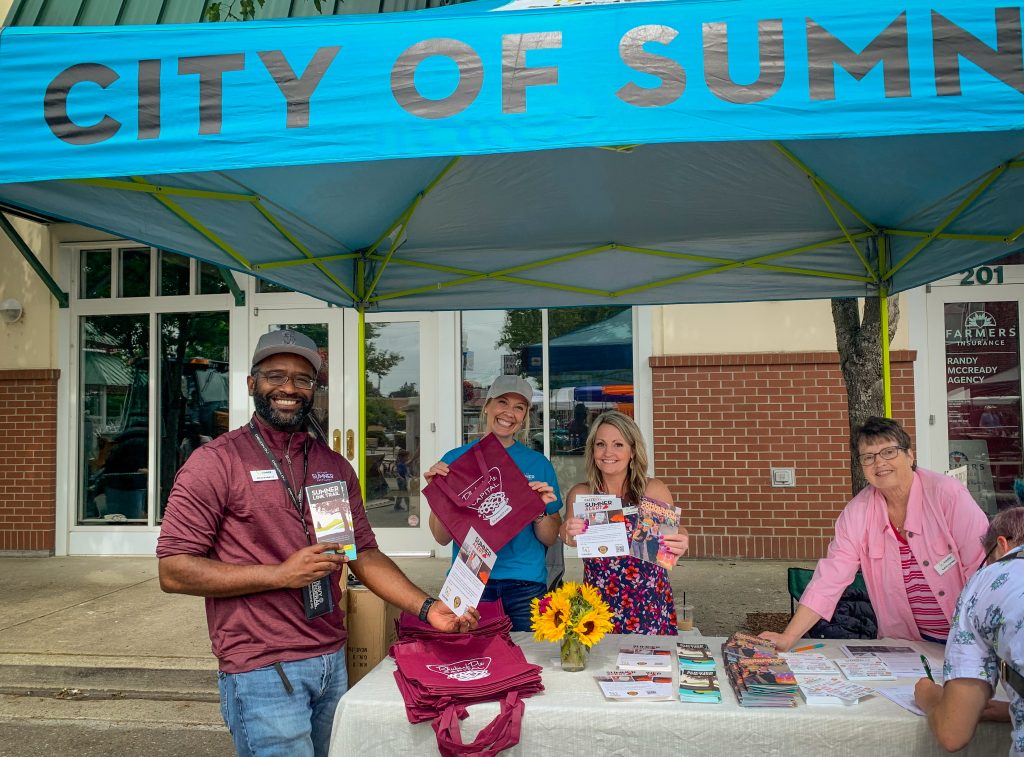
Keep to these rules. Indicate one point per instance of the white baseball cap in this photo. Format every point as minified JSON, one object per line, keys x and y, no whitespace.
{"x":511,"y":385}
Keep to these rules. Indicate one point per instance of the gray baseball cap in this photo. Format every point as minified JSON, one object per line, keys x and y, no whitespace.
{"x":289,"y":342}
{"x":511,"y":384}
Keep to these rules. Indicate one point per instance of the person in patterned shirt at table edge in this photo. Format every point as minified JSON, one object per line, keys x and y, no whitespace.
{"x":986,"y":645}
{"x":637,"y":591}
{"x":914,"y":534}
{"x":239,"y":532}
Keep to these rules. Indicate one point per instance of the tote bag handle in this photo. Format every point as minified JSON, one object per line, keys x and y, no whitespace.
{"x":500,"y":734}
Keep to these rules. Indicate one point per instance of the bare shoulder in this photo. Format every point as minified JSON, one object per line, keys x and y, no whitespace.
{"x":656,"y":489}
{"x":580,"y":488}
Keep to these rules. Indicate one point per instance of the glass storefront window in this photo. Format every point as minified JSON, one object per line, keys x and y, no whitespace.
{"x":174,"y":274}
{"x":193,"y":388}
{"x":211,"y":281}
{"x":393,"y":424}
{"x":983,"y":399}
{"x":94,"y":274}
{"x":134,"y":269}
{"x":114,"y":423}
{"x":591,"y":370}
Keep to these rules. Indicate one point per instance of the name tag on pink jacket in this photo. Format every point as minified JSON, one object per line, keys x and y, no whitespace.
{"x":945,"y":564}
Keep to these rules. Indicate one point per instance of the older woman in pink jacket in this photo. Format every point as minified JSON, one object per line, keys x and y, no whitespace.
{"x":915,"y":535}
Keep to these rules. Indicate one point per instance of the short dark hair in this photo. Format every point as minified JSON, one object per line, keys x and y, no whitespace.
{"x":876,"y":429}
{"x":1009,"y":524}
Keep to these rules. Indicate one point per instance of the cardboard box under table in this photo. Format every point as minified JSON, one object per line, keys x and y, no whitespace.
{"x":371,"y":631}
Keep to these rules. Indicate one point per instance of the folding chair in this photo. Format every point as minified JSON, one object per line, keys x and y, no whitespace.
{"x":854,"y":617}
{"x":554,"y":560}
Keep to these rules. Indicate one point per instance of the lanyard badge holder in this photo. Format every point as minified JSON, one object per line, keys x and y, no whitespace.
{"x":317,"y":599}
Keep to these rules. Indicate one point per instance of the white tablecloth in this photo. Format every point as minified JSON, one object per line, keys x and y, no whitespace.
{"x":571,"y":717}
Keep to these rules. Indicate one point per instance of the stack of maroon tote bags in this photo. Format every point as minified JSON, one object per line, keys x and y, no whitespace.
{"x":440,"y":675}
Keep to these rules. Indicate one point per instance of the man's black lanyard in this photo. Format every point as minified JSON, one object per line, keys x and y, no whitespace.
{"x":316,"y":598}
{"x":296,"y":499}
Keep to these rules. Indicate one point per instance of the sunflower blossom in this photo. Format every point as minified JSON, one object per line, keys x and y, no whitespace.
{"x":591,"y":627}
{"x":552,"y":625}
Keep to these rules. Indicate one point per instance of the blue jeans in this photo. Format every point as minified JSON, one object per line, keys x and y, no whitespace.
{"x":265,"y":720}
{"x":515,"y":597}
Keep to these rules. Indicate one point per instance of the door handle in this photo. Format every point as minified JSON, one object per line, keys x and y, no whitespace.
{"x":350,"y":444}
{"x":336,"y":440}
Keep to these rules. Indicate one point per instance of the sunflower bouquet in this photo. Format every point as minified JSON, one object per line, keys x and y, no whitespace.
{"x":574,"y":614}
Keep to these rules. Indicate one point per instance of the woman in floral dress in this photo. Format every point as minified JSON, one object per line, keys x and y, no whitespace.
{"x":638,"y":592}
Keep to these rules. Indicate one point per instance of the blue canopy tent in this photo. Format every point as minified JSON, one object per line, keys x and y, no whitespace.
{"x":601,"y":351}
{"x":524,"y":154}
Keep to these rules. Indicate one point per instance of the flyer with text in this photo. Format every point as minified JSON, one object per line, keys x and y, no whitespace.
{"x":468,"y":575}
{"x":604,"y":532}
{"x":332,"y":515}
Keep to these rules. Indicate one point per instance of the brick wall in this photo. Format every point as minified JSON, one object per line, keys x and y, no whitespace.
{"x":721,"y":422}
{"x":28,"y":460}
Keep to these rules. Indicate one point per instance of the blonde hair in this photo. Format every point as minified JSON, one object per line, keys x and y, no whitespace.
{"x":636,"y":476}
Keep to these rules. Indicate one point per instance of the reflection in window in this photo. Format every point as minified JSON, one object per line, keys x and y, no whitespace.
{"x":983,"y":402}
{"x":134,"y":272}
{"x":174,"y":273}
{"x":114,"y":430}
{"x":211,"y":279}
{"x":590,"y":354}
{"x":194,"y":388}
{"x":392,"y":424}
{"x":95,"y":274}
{"x":492,"y":346}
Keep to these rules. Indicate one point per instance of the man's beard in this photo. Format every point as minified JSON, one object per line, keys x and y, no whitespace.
{"x":278,"y":420}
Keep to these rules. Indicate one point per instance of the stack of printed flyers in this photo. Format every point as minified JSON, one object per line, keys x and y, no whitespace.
{"x":757,"y":674}
{"x":698,"y":679}
{"x":642,"y":672}
{"x":819,"y":680}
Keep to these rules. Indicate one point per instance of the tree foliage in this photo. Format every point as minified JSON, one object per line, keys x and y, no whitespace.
{"x":246,"y":9}
{"x":379,"y":362}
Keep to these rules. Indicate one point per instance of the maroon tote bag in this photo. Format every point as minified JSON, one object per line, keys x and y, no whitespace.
{"x":485,"y":490}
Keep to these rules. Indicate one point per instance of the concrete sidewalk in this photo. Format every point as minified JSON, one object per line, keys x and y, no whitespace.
{"x":96,"y":660}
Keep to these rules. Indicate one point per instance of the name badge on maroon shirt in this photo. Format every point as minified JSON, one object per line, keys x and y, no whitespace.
{"x":317,"y":598}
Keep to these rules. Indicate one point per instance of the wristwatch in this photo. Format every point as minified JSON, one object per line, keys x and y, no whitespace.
{"x":426,"y":608}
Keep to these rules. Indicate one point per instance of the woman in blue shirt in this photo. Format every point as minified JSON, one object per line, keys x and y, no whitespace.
{"x":519,"y":573}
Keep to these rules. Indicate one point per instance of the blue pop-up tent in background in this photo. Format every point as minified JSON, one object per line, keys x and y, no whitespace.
{"x":528,"y":154}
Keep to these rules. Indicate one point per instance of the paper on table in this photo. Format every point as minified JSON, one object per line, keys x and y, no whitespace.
{"x":901,"y":695}
{"x":802,"y":663}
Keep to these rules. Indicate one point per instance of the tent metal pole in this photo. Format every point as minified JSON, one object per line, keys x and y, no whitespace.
{"x":883,"y":319}
{"x":361,"y":370}
{"x":30,"y":258}
{"x":883,"y":304}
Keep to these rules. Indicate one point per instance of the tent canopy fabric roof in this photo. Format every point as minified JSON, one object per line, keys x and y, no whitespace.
{"x":504,"y":155}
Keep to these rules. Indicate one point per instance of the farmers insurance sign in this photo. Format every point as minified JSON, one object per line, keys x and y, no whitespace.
{"x":199,"y":97}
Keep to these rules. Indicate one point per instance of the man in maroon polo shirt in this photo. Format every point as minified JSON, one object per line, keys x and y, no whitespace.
{"x":238,"y":531}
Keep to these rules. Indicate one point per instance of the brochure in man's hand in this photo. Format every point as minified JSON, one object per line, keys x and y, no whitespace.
{"x":468,"y":576}
{"x":604,"y":532}
{"x":332,"y":515}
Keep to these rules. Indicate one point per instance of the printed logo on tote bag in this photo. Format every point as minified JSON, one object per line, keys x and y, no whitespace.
{"x":465,"y":670}
{"x":487,"y":497}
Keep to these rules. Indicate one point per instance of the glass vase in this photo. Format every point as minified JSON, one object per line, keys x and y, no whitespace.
{"x":574,"y":654}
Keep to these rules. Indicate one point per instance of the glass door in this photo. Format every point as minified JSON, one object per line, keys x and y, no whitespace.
{"x":980,"y":427}
{"x":401,"y":410}
{"x":395,"y":378}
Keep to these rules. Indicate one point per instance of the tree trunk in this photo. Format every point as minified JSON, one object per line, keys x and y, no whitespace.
{"x":858,"y":338}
